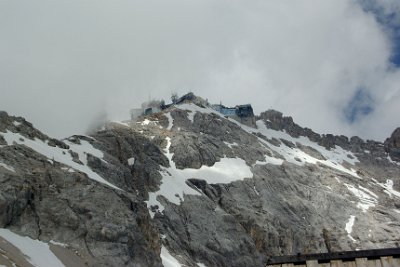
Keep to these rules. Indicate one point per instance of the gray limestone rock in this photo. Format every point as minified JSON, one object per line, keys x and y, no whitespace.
{"x":282,"y":209}
{"x":392,"y":145}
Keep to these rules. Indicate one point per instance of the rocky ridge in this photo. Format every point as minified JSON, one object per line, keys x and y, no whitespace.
{"x":188,"y":186}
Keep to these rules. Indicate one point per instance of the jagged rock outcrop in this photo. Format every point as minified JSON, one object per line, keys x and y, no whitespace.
{"x":195,"y":187}
{"x":392,"y":145}
{"x":276,"y":121}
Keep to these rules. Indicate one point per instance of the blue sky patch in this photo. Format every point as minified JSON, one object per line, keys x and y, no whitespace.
{"x":390,"y":21}
{"x":360,"y":105}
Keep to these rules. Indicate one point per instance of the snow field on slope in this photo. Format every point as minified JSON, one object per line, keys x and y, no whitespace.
{"x":392,"y":161}
{"x":173,"y":184}
{"x":62,"y":155}
{"x":167,"y":259}
{"x":367,"y":198}
{"x":269,"y":160}
{"x":334,"y":157}
{"x":170,"y":261}
{"x":170,"y":121}
{"x":83,"y":149}
{"x":388,"y":188}
{"x":37,"y":252}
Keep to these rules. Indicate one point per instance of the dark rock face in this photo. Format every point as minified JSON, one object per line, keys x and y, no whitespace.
{"x":276,"y":121}
{"x":106,"y":227}
{"x":215,"y":238}
{"x":191,"y":151}
{"x":392,"y":145}
{"x":122,"y":144}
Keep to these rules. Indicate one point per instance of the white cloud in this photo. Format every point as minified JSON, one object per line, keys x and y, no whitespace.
{"x":64,"y":62}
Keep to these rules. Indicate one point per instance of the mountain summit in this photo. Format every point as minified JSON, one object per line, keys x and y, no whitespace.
{"x":193,"y":184}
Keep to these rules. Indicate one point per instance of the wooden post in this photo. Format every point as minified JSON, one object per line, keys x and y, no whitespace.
{"x":312,"y":263}
{"x":387,"y":261}
{"x":396,"y":262}
{"x":375,"y":263}
{"x":337,"y":263}
{"x":349,"y":264}
{"x":361,"y":262}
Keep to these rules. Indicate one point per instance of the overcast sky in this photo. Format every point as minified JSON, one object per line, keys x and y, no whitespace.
{"x":332,"y":65}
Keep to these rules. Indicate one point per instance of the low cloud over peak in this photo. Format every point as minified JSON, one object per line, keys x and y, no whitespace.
{"x":64,"y":63}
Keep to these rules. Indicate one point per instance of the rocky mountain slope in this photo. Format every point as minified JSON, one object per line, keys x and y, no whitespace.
{"x":190,"y":187}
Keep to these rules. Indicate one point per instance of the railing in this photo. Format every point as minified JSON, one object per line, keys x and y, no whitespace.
{"x":389,"y":257}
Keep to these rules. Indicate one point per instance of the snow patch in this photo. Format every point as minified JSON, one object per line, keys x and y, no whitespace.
{"x":121,"y":123}
{"x":37,"y":252}
{"x":368,"y":191}
{"x":230,"y":145}
{"x":167,"y":259}
{"x":170,"y":120}
{"x":367,"y":198}
{"x":131,"y":161}
{"x":349,"y":227}
{"x":255,"y":190}
{"x":269,"y":160}
{"x":194,"y":109}
{"x":7,"y":167}
{"x":327,"y":186}
{"x":145,"y":122}
{"x":388,"y":186}
{"x":173,"y":184}
{"x":392,"y":161}
{"x":62,"y":155}
{"x":83,"y":149}
{"x":200,"y":264}
{"x":67,"y":169}
{"x":58,"y":244}
{"x":16,"y":123}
